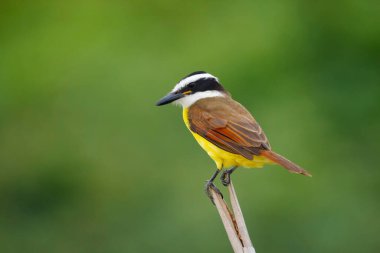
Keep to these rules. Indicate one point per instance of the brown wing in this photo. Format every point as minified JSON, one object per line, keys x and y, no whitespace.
{"x":228,"y":125}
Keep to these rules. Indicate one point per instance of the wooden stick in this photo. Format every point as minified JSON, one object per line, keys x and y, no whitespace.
{"x":233,"y":222}
{"x":228,"y":223}
{"x":242,"y":228}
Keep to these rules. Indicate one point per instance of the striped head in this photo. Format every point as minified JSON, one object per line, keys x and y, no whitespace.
{"x":190,"y":89}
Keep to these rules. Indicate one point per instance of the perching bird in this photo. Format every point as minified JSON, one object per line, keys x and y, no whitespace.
{"x":223,"y":127}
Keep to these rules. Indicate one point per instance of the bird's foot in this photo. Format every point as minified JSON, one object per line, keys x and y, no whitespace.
{"x":225,"y":178}
{"x":209,"y":186}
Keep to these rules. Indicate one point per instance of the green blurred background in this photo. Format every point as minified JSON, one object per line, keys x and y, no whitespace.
{"x":89,"y":164}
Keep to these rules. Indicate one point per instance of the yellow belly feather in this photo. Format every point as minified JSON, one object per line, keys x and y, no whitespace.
{"x":222,"y":158}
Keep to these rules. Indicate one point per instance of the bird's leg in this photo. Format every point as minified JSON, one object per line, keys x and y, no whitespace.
{"x":226,"y":176}
{"x":210,"y":186}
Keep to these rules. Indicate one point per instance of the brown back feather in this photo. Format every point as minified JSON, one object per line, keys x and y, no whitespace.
{"x":228,"y":125}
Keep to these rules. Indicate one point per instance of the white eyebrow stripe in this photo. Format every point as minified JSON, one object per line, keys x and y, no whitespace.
{"x":191,"y":79}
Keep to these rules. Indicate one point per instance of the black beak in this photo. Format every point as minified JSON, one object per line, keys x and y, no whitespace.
{"x":171,"y":97}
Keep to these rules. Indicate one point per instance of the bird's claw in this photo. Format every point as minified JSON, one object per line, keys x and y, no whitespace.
{"x":225,"y":178}
{"x":209,"y":186}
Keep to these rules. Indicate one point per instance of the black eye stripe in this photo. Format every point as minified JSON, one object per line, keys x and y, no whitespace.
{"x":188,"y":87}
{"x":204,"y":84}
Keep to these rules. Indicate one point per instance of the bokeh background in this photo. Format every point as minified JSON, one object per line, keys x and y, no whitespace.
{"x":89,"y":164}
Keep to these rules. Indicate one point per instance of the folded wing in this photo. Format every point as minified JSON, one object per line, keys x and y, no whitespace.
{"x":229,"y":126}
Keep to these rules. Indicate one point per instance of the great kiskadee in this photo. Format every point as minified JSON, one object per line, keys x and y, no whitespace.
{"x":223,"y":127}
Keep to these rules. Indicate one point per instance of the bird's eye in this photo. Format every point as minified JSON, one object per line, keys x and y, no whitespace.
{"x":191,"y":85}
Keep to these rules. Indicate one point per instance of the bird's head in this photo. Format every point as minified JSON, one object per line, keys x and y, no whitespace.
{"x":190,"y":89}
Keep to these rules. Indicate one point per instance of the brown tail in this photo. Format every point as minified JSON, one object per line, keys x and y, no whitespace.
{"x":290,"y":166}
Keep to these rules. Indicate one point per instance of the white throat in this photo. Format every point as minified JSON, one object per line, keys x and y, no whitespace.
{"x":189,"y":100}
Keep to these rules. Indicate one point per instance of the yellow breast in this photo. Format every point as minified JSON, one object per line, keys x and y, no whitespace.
{"x":222,"y":158}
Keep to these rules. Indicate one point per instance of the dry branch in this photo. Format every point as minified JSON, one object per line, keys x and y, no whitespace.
{"x":233,"y":222}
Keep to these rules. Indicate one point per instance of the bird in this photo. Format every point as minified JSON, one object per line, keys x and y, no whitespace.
{"x":224,"y":128}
